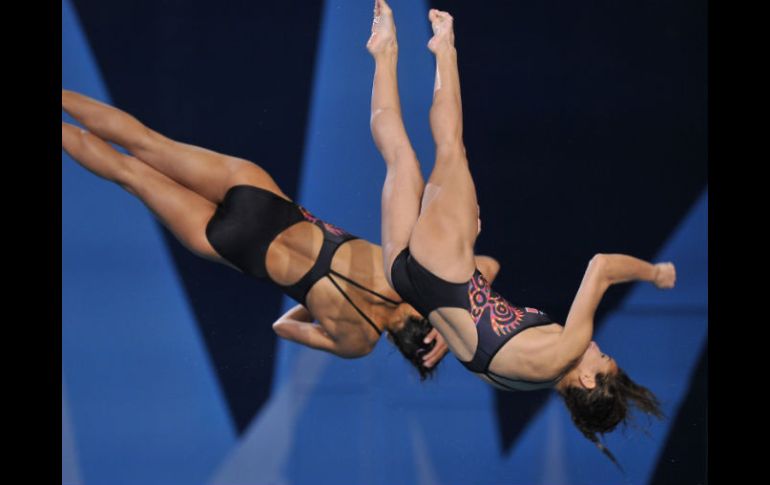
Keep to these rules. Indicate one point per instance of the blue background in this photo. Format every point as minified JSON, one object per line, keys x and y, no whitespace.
{"x":586,"y":131}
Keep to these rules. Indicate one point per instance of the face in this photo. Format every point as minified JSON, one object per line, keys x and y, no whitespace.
{"x":593,"y":362}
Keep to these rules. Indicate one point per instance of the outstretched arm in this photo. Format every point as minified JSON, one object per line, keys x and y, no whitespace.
{"x":621,"y":268}
{"x":603,"y":271}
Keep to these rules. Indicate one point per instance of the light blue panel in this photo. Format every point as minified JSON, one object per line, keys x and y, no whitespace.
{"x":70,"y":469}
{"x":656,"y":337}
{"x":264,"y":452}
{"x":145,"y":404}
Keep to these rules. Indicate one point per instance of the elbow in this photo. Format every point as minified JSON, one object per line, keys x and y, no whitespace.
{"x":494,"y":268}
{"x":488,"y":266}
{"x":279,"y":328}
{"x":598,"y":266}
{"x":599,"y":259}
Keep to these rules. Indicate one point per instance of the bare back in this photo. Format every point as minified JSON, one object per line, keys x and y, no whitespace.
{"x":295,"y":251}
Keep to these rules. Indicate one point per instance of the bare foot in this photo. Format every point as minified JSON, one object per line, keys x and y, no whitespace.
{"x":665,"y":275}
{"x":443,"y":31}
{"x":383,"y":38}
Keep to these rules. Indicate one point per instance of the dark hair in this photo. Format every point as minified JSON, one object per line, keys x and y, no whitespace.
{"x":409,"y":340}
{"x":601,"y":409}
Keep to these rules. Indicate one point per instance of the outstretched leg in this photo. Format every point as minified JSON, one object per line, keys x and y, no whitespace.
{"x":181,"y":210}
{"x":446,"y":230}
{"x":403,"y":183}
{"x":203,"y":171}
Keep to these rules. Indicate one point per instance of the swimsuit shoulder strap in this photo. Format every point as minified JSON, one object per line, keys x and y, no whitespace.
{"x":347,"y":297}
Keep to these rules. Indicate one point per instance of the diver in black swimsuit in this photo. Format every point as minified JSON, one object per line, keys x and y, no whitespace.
{"x":428,"y":237}
{"x":232,"y":231}
{"x":496,"y":321}
{"x":231,"y":211}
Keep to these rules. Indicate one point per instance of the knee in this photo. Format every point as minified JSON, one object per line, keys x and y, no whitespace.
{"x":130,"y":172}
{"x":143,"y":140}
{"x":402,"y":185}
{"x":403,"y":168}
{"x":72,"y":137}
{"x":453,"y":151}
{"x":401,"y":157}
{"x":67,"y":98}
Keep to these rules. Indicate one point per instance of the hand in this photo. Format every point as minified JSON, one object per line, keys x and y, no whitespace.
{"x":665,"y":275}
{"x":437,"y":352}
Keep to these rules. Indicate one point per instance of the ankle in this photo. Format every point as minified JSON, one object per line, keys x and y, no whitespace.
{"x":447,"y":51}
{"x":387,"y":54}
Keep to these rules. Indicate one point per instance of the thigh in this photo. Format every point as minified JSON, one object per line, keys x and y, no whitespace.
{"x":180,"y":210}
{"x":401,"y":195}
{"x":205,"y":172}
{"x":446,"y":230}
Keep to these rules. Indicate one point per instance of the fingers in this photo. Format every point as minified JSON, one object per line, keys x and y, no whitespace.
{"x":672,"y":280}
{"x":435,"y":355}
{"x":431,"y":336}
{"x":665,"y":276}
{"x":437,"y":352}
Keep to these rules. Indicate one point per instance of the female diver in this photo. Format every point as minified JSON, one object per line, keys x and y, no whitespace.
{"x":428,"y":236}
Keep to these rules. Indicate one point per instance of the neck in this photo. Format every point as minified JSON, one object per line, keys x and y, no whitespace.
{"x":570,"y":377}
{"x":394,"y":319}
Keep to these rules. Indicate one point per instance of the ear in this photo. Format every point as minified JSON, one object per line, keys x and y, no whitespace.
{"x":587,"y":380}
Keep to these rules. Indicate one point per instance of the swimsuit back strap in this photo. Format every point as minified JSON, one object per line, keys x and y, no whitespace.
{"x":359,"y":285}
{"x":360,"y":312}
